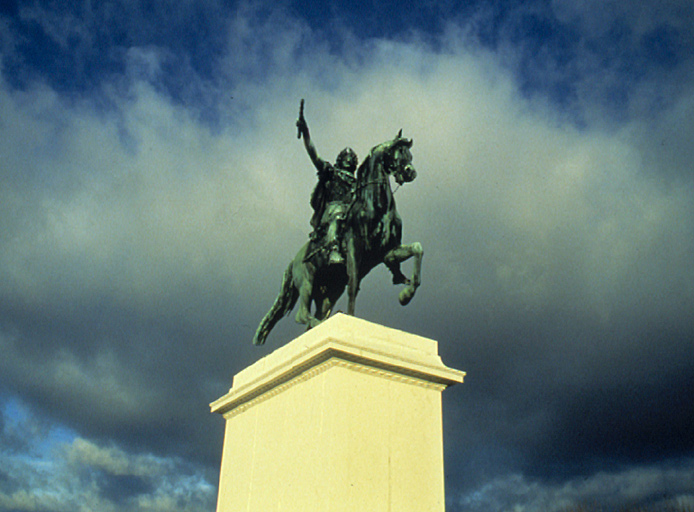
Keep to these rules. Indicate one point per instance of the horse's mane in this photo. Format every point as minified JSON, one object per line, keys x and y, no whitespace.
{"x":380,"y":151}
{"x":363,"y":168}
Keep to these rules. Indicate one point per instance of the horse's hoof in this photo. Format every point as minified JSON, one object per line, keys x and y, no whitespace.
{"x":405,"y":296}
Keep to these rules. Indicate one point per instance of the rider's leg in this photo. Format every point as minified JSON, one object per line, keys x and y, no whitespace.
{"x":333,"y":237}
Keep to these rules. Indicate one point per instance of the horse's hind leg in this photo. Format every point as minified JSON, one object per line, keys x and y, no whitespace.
{"x":323,"y":308}
{"x":393,"y":260}
{"x":304,"y":316}
{"x":284,"y":303}
{"x":332,"y":295}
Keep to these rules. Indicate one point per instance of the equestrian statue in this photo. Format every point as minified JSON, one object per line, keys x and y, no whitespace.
{"x":355,"y":228}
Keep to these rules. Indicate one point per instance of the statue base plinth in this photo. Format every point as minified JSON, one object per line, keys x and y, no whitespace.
{"x":347,"y":417}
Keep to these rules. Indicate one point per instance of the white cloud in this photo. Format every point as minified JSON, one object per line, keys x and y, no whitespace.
{"x":190,"y":204}
{"x":59,"y":471}
{"x":133,"y":205}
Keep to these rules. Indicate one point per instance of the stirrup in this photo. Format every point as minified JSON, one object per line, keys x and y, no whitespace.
{"x":335,"y":258}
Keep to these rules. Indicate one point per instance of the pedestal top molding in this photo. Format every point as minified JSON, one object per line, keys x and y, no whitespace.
{"x":345,"y":338}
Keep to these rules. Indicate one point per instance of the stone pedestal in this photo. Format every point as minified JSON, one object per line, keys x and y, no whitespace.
{"x":347,"y":417}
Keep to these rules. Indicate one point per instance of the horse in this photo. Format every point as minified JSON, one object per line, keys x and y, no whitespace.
{"x":372,"y":236}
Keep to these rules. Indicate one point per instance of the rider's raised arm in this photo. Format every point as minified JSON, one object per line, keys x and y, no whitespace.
{"x":302,"y":126}
{"x":312,"y":152}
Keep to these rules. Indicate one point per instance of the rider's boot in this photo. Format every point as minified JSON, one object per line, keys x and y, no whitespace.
{"x":333,"y":244}
{"x":335,"y":257}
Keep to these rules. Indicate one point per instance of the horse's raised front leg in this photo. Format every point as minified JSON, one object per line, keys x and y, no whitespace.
{"x":352,"y":276}
{"x":393,"y":259}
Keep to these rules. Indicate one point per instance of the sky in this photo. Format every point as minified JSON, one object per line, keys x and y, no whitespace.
{"x":153,"y":191}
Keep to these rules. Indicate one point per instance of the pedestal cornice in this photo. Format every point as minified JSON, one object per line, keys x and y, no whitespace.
{"x":341,"y":340}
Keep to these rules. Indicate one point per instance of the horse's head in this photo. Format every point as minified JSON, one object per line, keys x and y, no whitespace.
{"x":401,"y":160}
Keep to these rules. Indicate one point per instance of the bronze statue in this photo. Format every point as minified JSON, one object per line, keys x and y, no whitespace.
{"x":349,"y":238}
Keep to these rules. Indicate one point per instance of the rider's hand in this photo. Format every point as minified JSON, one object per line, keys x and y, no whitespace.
{"x":302,"y":126}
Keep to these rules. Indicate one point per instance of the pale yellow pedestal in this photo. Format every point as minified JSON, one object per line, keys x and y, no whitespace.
{"x":346,"y":417}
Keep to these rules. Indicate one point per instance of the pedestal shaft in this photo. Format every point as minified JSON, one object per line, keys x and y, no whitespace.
{"x":342,"y":420}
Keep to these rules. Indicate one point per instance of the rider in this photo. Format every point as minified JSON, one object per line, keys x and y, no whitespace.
{"x":332,"y":196}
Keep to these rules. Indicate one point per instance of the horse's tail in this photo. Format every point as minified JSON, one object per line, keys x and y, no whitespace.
{"x":284,"y":303}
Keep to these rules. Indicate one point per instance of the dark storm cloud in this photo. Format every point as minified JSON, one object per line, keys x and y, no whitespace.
{"x":605,"y":490}
{"x":76,"y":45}
{"x":141,"y":243}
